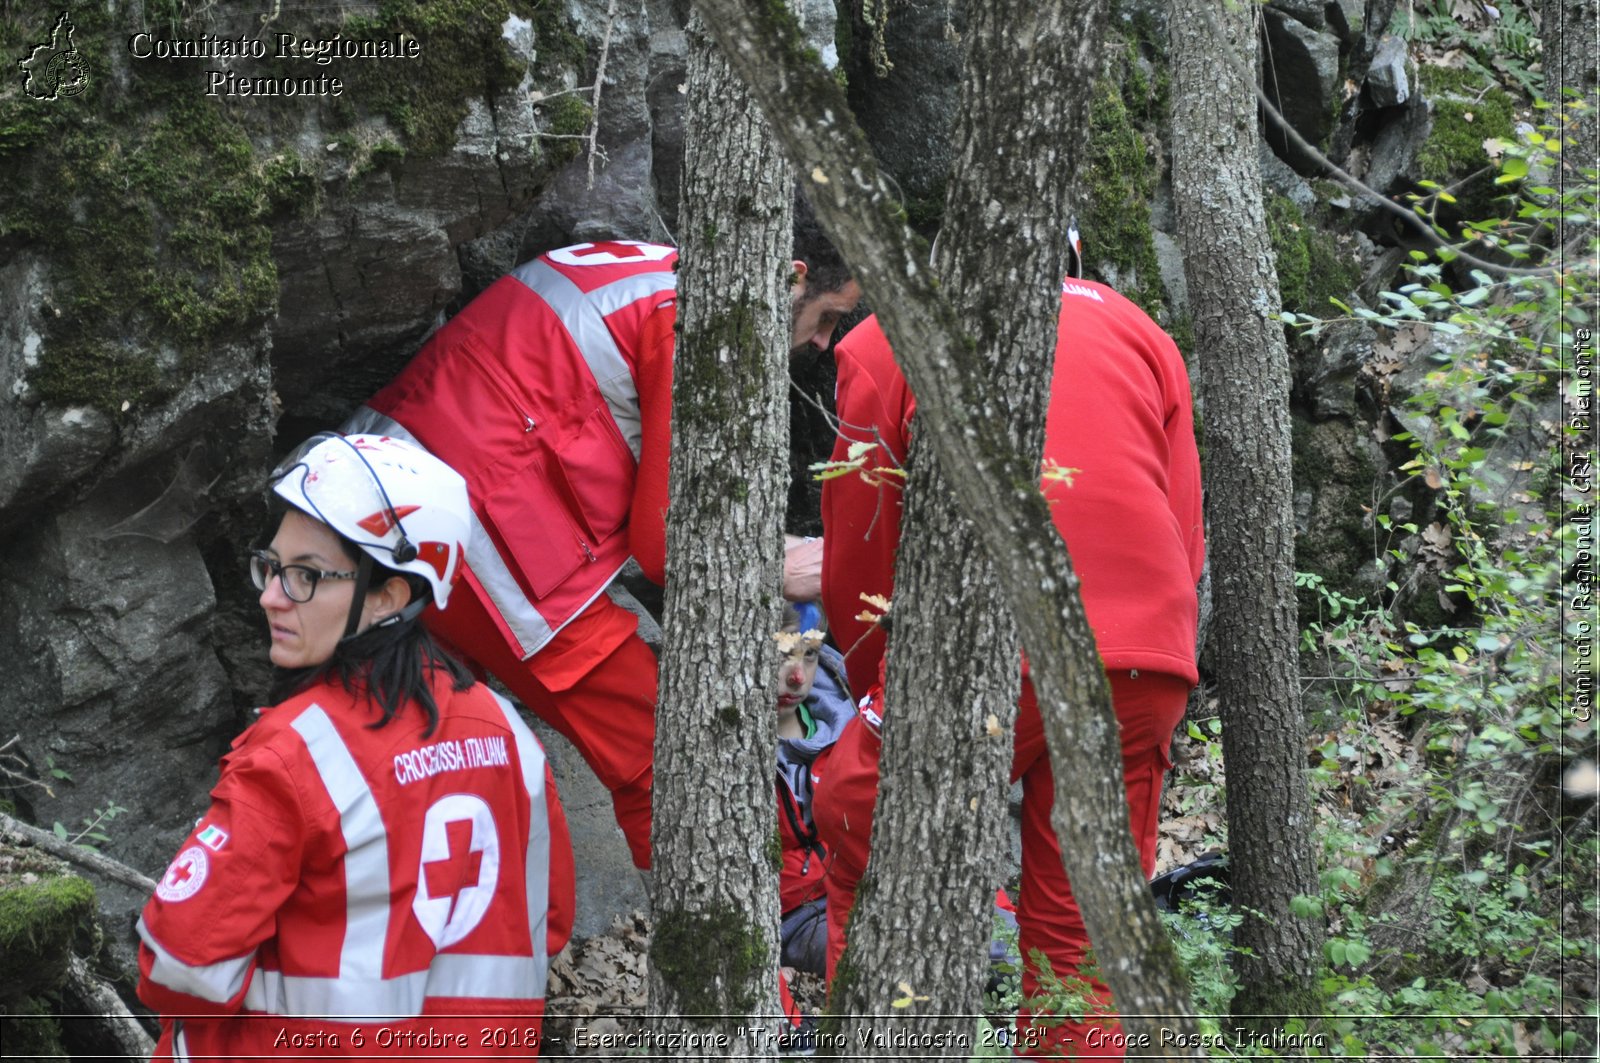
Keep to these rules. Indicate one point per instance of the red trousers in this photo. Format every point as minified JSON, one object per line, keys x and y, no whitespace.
{"x":595,"y":683}
{"x":1148,"y":707}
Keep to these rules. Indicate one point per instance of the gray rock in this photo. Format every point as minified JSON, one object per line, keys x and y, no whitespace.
{"x":1169,"y":258}
{"x":1278,"y":177}
{"x":1300,"y":73}
{"x":607,"y":882}
{"x":1339,"y":470}
{"x":1345,"y":18}
{"x":907,"y":114}
{"x":1327,"y":381}
{"x":1310,"y":13}
{"x":1392,"y":156}
{"x":42,"y":449}
{"x":1386,"y":81}
{"x":111,"y":677}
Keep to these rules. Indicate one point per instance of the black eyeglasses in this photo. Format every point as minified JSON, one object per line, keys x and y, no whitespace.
{"x":299,"y":582}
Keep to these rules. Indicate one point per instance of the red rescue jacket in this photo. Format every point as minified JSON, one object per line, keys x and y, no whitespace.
{"x":1120,"y":416}
{"x":545,"y":394}
{"x":349,"y":885}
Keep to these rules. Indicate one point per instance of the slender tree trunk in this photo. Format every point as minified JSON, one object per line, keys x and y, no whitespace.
{"x":1570,"y":33}
{"x":937,"y":841}
{"x":954,"y":671}
{"x":713,"y":950}
{"x":959,"y":419}
{"x":1244,"y":374}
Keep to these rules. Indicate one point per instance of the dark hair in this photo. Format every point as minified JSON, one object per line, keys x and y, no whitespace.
{"x":390,"y":665}
{"x":826,"y":269}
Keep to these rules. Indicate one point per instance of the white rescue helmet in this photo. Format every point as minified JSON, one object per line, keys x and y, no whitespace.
{"x":397,"y":503}
{"x":1075,"y":250}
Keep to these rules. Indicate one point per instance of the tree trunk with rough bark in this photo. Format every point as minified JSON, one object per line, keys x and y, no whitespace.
{"x":1244,"y":375}
{"x":954,"y":671}
{"x":713,"y":950}
{"x":959,"y":419}
{"x":1571,"y":60}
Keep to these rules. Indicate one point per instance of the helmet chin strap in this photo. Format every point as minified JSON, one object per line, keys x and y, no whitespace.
{"x":352,"y":626}
{"x":412,"y":610}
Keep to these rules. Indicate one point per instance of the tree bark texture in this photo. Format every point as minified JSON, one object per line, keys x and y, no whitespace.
{"x":1570,"y":33}
{"x":953,"y":672}
{"x":959,"y":420}
{"x":713,"y":949}
{"x":937,"y":841}
{"x":1244,"y":374}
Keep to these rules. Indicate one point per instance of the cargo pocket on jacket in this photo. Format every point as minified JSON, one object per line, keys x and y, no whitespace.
{"x":597,"y":470}
{"x":529,"y":525}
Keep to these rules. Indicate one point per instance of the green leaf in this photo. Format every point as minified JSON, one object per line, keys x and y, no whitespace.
{"x":1305,"y":907}
{"x":59,"y":830}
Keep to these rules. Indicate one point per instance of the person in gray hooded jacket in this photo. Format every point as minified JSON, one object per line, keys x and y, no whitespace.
{"x":813,"y":706}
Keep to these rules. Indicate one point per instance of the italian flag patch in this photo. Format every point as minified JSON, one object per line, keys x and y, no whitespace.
{"x":213,"y":837}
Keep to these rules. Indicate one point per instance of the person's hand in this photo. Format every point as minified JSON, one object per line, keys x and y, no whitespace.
{"x":802,"y":568}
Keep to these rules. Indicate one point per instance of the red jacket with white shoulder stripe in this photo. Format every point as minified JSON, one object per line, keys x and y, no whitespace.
{"x":350,"y":883}
{"x":551,"y":394}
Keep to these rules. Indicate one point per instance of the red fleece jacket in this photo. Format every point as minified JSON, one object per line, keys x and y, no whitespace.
{"x":1120,"y":417}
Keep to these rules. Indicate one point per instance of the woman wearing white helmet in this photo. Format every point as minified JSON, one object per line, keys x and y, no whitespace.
{"x":384,"y":868}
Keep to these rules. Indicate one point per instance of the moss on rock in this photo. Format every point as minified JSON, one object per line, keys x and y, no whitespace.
{"x":464,"y":56}
{"x":1312,"y":267}
{"x":44,"y":914}
{"x":1120,"y":177}
{"x":1467,"y":110}
{"x":151,"y":205}
{"x":152,"y":214}
{"x":566,"y":116}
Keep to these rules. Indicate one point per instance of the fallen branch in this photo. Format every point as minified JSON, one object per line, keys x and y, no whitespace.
{"x":87,"y":859}
{"x":95,"y":999}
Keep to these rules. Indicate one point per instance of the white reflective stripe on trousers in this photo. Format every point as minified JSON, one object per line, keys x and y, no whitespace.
{"x":583,"y":316}
{"x":531,"y":756}
{"x":528,"y":626}
{"x":216,"y":982}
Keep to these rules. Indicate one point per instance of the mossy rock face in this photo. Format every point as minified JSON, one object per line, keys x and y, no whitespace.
{"x":154,"y":203}
{"x":1337,"y":471}
{"x":1312,"y":266}
{"x":1468,"y":108}
{"x":46,"y":914}
{"x":29,"y":1031}
{"x":1122,"y":170}
{"x":150,"y":205}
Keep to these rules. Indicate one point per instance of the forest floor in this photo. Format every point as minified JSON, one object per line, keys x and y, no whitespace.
{"x":598,"y":984}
